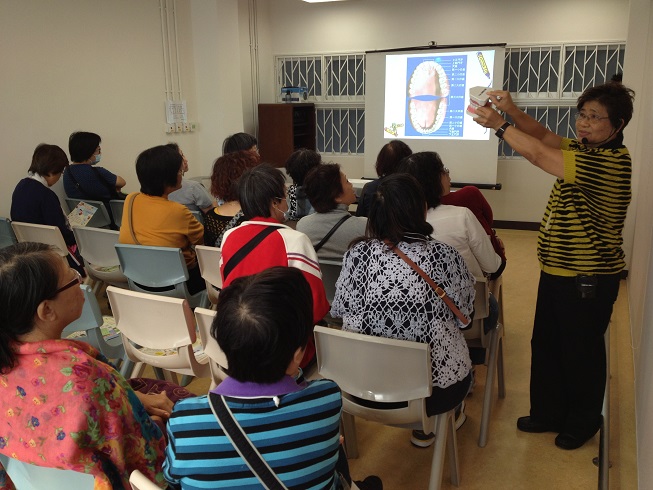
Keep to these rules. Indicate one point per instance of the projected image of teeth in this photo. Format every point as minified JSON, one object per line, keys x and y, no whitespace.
{"x":428,"y":90}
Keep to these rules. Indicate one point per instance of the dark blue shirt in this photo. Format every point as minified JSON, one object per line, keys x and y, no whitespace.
{"x":90,"y":186}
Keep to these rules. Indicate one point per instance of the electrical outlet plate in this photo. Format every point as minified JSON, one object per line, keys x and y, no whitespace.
{"x":194,"y":126}
{"x":179,"y":128}
{"x":169,"y":128}
{"x":187,"y":127}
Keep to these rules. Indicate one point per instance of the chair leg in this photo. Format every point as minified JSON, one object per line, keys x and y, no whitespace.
{"x":489,"y":384}
{"x":452,"y":449}
{"x":500,"y":375}
{"x":437,"y":463}
{"x":159,"y":373}
{"x":348,"y":430}
{"x":186,"y":379}
{"x":127,"y":368}
{"x":137,"y":372}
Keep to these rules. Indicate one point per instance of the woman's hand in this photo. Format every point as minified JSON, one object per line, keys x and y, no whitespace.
{"x":158,"y":405}
{"x":501,"y":99}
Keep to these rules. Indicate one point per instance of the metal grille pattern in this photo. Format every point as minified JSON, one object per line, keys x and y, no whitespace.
{"x":341,"y":131}
{"x":300,"y":71}
{"x":345,"y":77}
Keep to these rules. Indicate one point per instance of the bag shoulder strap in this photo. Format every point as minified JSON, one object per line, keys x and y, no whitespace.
{"x":245,"y":250}
{"x":436,"y":287}
{"x":243,"y":444}
{"x":130,"y":220}
{"x":69,"y":171}
{"x":331,"y":232}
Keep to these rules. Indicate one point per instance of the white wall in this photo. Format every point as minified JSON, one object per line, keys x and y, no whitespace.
{"x":300,"y":28}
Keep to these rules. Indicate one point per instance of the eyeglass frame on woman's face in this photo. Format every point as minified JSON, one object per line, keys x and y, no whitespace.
{"x":590,"y":118}
{"x":75,"y":281}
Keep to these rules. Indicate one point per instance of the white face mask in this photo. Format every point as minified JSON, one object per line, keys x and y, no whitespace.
{"x":286,"y":214}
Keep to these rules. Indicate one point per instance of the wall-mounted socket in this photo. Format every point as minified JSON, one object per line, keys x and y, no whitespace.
{"x":187,"y":127}
{"x":169,"y":128}
{"x":179,"y":127}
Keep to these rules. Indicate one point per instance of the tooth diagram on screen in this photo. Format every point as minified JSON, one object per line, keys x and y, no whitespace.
{"x":428,"y":89}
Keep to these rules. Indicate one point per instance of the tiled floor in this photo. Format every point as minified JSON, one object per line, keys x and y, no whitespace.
{"x":512,"y":459}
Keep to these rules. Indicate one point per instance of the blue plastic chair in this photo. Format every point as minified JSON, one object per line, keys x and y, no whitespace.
{"x":26,"y":476}
{"x":117,"y":206}
{"x":100,"y":219}
{"x":7,"y":235}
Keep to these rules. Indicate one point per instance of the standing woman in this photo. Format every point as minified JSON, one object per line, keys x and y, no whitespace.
{"x":34,"y":202}
{"x":379,"y":294}
{"x":580,"y":254}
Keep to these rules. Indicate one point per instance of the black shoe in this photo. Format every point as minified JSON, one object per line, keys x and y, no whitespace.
{"x":372,"y":482}
{"x":527,"y":424}
{"x":569,"y":441}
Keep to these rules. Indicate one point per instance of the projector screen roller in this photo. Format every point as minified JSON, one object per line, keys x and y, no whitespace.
{"x":421,"y":95}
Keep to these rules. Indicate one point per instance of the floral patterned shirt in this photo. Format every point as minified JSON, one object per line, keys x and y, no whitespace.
{"x":64,"y":406}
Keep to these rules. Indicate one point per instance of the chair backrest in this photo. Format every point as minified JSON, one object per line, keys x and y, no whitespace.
{"x":139,"y":481}
{"x":50,"y":235}
{"x":330,"y":273}
{"x":117,"y":206}
{"x":475,"y":334}
{"x":157,"y":323}
{"x":27,"y":476}
{"x":218,"y":358}
{"x":198,"y":216}
{"x":7,"y":235}
{"x":101,"y":217}
{"x":374,"y":368}
{"x":209,"y":262}
{"x":97,"y":245}
{"x":155,"y":267}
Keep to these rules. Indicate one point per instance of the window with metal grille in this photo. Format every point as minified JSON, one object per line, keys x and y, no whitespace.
{"x":545,"y":81}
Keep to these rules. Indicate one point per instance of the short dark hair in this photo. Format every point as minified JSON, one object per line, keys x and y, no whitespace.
{"x":48,"y":160}
{"x":158,"y":168}
{"x":258,"y":188}
{"x":322,"y":186}
{"x":300,"y":162}
{"x":398,"y":210}
{"x":81,"y":145}
{"x":28,"y":276}
{"x":615,"y":97}
{"x":389,"y":157}
{"x":261,"y":321}
{"x":228,"y":169}
{"x":238,"y":142}
{"x":427,"y":168}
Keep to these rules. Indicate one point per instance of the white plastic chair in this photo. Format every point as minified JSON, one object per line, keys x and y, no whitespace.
{"x":91,"y":322}
{"x":50,"y":235}
{"x":330,"y":273}
{"x":7,"y":235}
{"x":117,"y":206}
{"x":159,"y":331}
{"x":381,"y":370}
{"x":26,"y":476}
{"x":100,"y":219}
{"x":139,"y":481}
{"x":493,"y":343}
{"x":97,"y":246}
{"x":209,"y":262}
{"x":218,"y":359}
{"x":163,"y":268}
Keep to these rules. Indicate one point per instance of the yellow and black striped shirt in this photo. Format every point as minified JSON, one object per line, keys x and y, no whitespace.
{"x":581,"y":229}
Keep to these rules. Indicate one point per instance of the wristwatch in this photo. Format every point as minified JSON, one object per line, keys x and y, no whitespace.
{"x":502,"y":130}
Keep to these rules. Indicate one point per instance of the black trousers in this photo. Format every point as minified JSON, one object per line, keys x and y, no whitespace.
{"x":568,"y":367}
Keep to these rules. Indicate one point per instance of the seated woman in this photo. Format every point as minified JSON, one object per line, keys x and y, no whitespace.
{"x":150,"y":218}
{"x":330,"y":194}
{"x":379,"y":294}
{"x":263,"y":324}
{"x":471,"y":197}
{"x":34,"y":202}
{"x":297,"y":166}
{"x":454,"y":225}
{"x":262,"y":241}
{"x":224,"y":184}
{"x":386,"y":164}
{"x":239,"y":142}
{"x":192,"y":194}
{"x":63,"y":405}
{"x":83,"y":179}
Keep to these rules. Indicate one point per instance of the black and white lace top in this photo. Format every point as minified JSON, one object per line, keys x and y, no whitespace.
{"x":378,"y":294}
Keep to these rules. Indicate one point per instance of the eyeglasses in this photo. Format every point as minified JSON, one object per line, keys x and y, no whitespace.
{"x":591,"y":118}
{"x":74,"y":282}
{"x":445,"y":170}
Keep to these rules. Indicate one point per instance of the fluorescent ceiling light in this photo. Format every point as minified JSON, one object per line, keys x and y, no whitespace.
{"x":323,"y":1}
